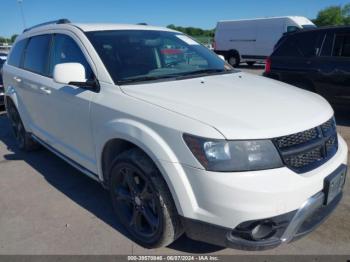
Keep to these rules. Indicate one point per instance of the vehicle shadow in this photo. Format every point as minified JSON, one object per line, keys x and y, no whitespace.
{"x":82,"y":190}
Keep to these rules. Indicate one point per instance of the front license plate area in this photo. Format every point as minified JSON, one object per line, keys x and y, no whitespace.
{"x":334,"y":183}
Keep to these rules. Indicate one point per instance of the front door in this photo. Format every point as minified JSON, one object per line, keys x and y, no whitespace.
{"x":68,"y":116}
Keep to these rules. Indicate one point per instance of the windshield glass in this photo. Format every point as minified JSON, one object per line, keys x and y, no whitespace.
{"x":145,"y":55}
{"x":308,"y":26}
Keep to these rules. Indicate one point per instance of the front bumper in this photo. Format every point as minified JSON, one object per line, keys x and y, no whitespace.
{"x":222,"y":201}
{"x":289,"y":227}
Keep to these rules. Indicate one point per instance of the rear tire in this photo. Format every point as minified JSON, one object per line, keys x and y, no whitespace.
{"x":142,"y":200}
{"x":234,"y":60}
{"x":24,"y":139}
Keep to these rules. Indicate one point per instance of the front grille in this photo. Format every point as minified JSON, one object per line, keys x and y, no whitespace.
{"x":296,"y":139}
{"x":309,"y":149}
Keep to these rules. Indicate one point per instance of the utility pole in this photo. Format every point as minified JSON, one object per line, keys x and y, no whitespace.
{"x":20,"y":3}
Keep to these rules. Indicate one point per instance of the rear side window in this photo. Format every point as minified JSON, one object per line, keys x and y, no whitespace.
{"x":327,"y":45}
{"x":16,"y":53}
{"x":342,"y":45}
{"x":66,"y":50}
{"x":309,"y":43}
{"x":36,"y":54}
{"x":288,"y":48}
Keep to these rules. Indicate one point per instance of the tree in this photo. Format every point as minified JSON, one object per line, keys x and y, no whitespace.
{"x":333,"y":15}
{"x":13,"y":38}
{"x":192,"y":31}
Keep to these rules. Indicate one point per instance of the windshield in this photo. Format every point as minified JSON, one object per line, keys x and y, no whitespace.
{"x":145,"y":55}
{"x":308,"y":26}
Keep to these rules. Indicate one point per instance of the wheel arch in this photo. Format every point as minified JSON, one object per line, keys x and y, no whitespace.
{"x":125,"y":134}
{"x":11,"y":96}
{"x":232,"y":52}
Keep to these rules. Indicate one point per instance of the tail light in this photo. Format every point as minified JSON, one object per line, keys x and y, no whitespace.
{"x":268,"y":65}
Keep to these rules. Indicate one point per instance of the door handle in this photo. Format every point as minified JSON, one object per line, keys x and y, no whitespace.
{"x":45,"y":90}
{"x":17,"y":79}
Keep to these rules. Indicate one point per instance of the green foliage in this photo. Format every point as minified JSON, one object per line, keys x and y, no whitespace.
{"x":8,"y":40}
{"x":13,"y":38}
{"x":193,"y":31}
{"x":333,"y":15}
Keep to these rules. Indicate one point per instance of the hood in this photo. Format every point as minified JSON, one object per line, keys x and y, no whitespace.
{"x":239,"y":105}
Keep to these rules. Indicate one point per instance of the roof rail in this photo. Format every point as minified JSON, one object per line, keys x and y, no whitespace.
{"x":59,"y":21}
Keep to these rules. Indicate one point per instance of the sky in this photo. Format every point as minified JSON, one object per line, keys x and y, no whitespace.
{"x":197,"y":13}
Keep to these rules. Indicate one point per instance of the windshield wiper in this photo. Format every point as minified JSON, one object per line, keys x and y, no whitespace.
{"x":204,"y":72}
{"x":182,"y":75}
{"x":144,"y":78}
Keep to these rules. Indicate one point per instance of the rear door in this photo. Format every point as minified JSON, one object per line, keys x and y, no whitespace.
{"x":30,"y":80}
{"x":12,"y":76}
{"x":333,"y":79}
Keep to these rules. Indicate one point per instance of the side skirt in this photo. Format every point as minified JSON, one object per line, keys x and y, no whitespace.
{"x":67,"y":159}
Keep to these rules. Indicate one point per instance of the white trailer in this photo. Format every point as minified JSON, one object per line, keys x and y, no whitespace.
{"x":253,"y":40}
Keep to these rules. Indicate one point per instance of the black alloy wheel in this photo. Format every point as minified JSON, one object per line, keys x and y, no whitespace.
{"x":136,"y":199}
{"x":142,"y":200}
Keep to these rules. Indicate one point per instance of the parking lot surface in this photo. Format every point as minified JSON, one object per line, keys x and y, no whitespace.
{"x":48,"y":207}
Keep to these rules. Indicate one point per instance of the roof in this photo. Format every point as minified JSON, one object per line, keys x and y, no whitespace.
{"x":87,"y":27}
{"x":319,"y":29}
{"x":263,"y":18}
{"x":105,"y":27}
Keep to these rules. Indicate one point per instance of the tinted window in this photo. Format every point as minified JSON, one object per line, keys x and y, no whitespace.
{"x":327,"y":45}
{"x":66,"y":50}
{"x":16,"y":53}
{"x":309,"y":43}
{"x":36,"y":54}
{"x":288,"y":48}
{"x":342,"y":46}
{"x":292,"y":28}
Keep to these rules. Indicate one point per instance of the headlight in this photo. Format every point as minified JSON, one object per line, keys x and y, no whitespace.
{"x":229,"y":156}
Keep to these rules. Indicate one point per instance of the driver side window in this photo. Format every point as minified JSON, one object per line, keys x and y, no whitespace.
{"x":66,"y":50}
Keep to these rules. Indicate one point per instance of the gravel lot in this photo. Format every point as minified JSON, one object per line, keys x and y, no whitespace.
{"x":48,"y":207}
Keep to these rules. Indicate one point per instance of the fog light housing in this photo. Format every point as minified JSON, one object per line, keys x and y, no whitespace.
{"x":256,"y":230}
{"x":263,"y":230}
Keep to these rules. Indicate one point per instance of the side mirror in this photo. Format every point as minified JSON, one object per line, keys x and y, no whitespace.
{"x":69,"y":72}
{"x":73,"y":74}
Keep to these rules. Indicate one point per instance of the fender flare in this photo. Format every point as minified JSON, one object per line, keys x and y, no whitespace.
{"x":150,"y":142}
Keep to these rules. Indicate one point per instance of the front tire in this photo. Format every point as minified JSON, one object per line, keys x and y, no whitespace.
{"x":142,"y":200}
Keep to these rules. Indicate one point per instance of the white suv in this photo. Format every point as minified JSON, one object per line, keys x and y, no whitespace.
{"x":183,"y":142}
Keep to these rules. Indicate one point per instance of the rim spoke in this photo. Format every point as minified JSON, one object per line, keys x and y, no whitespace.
{"x":145,"y":193}
{"x":135,"y":221}
{"x":150,"y":218}
{"x":123,"y":195}
{"x":130,"y":181}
